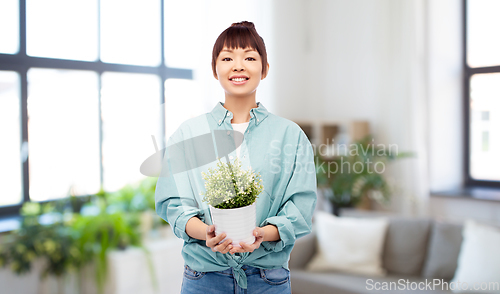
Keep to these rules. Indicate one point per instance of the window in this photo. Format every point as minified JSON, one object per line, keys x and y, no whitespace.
{"x":482,"y":93}
{"x":63,"y":133}
{"x":10,"y":132}
{"x":79,"y":102}
{"x":130,"y":116}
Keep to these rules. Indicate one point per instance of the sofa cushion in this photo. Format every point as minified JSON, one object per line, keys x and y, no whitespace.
{"x":352,"y":245}
{"x":304,"y":282}
{"x":302,"y":252}
{"x":479,"y":259}
{"x":443,"y":250}
{"x":406,"y":245}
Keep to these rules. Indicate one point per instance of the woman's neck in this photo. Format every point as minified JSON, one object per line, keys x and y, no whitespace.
{"x":240,"y":107}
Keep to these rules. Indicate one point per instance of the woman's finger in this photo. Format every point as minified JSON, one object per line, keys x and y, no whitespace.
{"x":211,"y":231}
{"x":214,"y":241}
{"x":228,"y":248}
{"x":246,"y":247}
{"x":223,"y":246}
{"x":220,"y":238}
{"x":236,"y":249}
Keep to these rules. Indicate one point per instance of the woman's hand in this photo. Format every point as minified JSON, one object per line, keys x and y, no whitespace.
{"x":259,"y":237}
{"x":266,"y":233}
{"x":212,"y":241}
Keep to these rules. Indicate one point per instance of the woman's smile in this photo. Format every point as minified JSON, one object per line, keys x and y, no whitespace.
{"x":239,"y":79}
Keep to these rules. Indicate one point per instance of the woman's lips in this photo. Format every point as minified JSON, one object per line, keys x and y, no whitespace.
{"x":239,"y":83}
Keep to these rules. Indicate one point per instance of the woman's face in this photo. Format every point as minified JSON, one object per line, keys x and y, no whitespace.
{"x":239,"y":71}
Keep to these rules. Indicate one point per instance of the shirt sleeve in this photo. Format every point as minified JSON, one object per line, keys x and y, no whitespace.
{"x":294,"y":218}
{"x":174,"y":198}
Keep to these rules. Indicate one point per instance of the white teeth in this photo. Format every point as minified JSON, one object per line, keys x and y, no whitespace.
{"x":239,"y":79}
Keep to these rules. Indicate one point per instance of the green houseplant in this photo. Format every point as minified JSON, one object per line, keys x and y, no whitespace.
{"x":97,"y":234}
{"x":357,"y":174}
{"x":231,"y":193}
{"x":69,"y":240}
{"x":116,"y":225}
{"x":51,"y":242}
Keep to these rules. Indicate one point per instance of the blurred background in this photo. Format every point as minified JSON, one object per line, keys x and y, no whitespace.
{"x":91,"y":88}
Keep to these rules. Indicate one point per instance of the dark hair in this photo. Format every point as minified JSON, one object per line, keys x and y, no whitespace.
{"x":240,"y":35}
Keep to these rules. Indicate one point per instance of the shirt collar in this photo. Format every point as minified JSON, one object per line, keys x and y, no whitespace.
{"x":220,"y":113}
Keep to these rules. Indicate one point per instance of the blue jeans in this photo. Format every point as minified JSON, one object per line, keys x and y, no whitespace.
{"x":259,"y":281}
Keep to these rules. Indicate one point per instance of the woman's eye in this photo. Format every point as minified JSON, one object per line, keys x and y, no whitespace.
{"x":224,"y":59}
{"x":253,"y":59}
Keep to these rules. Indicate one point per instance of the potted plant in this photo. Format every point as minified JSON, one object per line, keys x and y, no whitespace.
{"x":354,"y":177}
{"x":66,"y":242}
{"x":51,"y":243}
{"x":231,"y":194}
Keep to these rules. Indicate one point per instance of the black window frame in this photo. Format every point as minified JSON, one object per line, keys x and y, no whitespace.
{"x":21,"y":63}
{"x":468,"y":71}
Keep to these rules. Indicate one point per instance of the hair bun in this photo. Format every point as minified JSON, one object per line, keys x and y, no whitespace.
{"x":244,"y":23}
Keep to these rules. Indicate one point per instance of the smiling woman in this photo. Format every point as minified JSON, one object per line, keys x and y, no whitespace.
{"x":239,"y":63}
{"x":285,"y":206}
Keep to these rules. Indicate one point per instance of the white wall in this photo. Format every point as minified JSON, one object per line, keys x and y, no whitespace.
{"x":326,"y":59}
{"x":445,"y":95}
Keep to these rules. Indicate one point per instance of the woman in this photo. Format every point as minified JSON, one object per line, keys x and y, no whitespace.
{"x":273,"y":146}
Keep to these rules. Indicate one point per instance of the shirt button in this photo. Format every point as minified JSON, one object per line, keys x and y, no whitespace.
{"x":228,"y":132}
{"x":220,"y":120}
{"x":231,"y":157}
{"x":248,"y":131}
{"x":257,"y":119}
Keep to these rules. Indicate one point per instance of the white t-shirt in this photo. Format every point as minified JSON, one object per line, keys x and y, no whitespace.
{"x":240,"y":128}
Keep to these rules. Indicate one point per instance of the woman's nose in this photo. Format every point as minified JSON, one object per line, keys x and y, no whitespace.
{"x":238,"y":66}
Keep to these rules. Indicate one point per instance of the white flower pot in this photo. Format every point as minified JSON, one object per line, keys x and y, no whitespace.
{"x":237,"y":223}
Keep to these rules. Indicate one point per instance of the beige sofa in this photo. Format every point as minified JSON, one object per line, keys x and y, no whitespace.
{"x":415,"y":250}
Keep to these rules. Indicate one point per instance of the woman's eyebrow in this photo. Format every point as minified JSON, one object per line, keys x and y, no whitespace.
{"x":248,"y":50}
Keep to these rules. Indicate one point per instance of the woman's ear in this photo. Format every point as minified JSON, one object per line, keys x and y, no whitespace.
{"x":266,"y":72}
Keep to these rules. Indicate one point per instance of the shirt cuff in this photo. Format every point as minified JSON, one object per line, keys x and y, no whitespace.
{"x":179,"y":228}
{"x":286,"y":231}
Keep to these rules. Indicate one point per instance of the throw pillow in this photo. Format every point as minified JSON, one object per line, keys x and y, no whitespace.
{"x":406,"y":245}
{"x":351,"y":245}
{"x":443,"y":250}
{"x":479,"y":260}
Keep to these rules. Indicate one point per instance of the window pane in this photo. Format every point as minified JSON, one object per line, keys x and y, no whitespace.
{"x":483,"y":24}
{"x":9,"y":26}
{"x":130,"y":116}
{"x":10,"y":132}
{"x":63,"y":131}
{"x":183,"y":100}
{"x":62,"y":29}
{"x":183,"y":35}
{"x":484,"y":122}
{"x":131,"y":31}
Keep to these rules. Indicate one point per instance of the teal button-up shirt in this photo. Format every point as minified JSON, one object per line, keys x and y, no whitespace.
{"x":273,"y":146}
